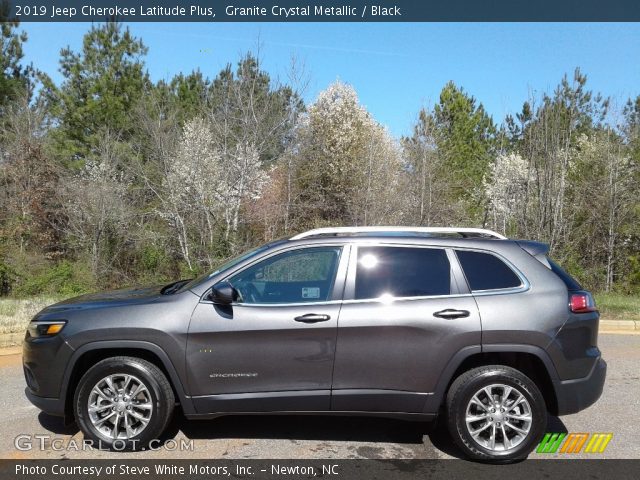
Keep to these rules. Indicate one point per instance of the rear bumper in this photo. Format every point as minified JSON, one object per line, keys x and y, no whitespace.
{"x":52,"y":406}
{"x":578,"y":394}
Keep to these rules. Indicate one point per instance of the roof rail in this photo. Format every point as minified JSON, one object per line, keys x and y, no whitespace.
{"x":464,"y":232}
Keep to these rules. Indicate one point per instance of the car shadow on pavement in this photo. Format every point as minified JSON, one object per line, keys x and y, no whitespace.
{"x":305,"y":427}
{"x":327,"y":428}
{"x":56,"y":425}
{"x":301,"y":427}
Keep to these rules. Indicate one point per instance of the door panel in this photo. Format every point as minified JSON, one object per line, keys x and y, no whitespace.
{"x":400,"y":345}
{"x":257,"y":356}
{"x":391,"y":350}
{"x":260,"y":349}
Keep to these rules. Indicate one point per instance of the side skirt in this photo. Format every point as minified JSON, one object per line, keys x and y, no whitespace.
{"x":349,"y":401}
{"x":412,"y":417}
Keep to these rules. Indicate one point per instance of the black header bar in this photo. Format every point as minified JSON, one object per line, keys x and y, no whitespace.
{"x":325,"y":11}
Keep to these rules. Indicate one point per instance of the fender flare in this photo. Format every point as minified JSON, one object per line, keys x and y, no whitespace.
{"x":433,"y":403}
{"x":185,"y":400}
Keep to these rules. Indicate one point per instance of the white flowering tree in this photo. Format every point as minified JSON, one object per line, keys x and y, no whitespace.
{"x":506,"y":188}
{"x":243,"y":181}
{"x":204,"y":189}
{"x":190,"y":193}
{"x":347,"y":163}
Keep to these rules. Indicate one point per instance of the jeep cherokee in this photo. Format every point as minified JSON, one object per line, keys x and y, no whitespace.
{"x":406,"y":322}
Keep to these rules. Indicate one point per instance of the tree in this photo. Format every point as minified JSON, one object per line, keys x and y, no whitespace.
{"x":192,"y":189}
{"x":251,"y":117}
{"x":629,"y":245}
{"x":188,"y":94}
{"x":15,"y":78}
{"x":28,"y":180}
{"x":548,"y":141}
{"x":346,"y":165}
{"x":505,"y":188}
{"x":466,"y":142}
{"x":102,"y":83}
{"x":95,"y":204}
{"x":427,"y":180}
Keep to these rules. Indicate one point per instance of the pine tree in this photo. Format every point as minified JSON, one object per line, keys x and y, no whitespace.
{"x":466,"y":142}
{"x":101,"y":85}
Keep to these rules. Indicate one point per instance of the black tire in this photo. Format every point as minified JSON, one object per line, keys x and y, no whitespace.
{"x":158,"y":388}
{"x":459,"y":397}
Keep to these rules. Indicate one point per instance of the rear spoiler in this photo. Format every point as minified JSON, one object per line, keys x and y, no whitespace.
{"x":537,"y":250}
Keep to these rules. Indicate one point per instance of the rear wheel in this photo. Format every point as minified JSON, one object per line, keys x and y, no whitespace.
{"x":123,"y":403}
{"x":495,"y":413}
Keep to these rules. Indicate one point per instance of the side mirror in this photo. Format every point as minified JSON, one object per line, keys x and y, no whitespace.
{"x":223,"y":294}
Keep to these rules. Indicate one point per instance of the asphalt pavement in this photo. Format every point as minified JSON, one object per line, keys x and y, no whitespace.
{"x":298,"y":437}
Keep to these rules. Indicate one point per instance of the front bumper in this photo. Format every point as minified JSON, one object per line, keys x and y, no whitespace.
{"x":577,"y":394}
{"x":52,"y":406}
{"x":44,"y":361}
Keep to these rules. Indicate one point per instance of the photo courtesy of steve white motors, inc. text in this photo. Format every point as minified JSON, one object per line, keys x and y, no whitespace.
{"x":162,"y":469}
{"x":140,"y":12}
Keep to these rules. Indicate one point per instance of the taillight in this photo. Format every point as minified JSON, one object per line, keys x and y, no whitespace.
{"x":582,"y":302}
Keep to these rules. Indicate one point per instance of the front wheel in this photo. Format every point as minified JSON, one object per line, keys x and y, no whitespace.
{"x":123,"y":403}
{"x":495,"y":413}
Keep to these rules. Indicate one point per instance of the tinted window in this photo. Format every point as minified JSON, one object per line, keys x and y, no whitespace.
{"x":402,"y":272}
{"x":486,"y":272}
{"x":297,"y":276}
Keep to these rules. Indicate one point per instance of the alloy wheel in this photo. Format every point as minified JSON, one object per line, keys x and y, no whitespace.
{"x":498,"y":417}
{"x":120,"y":406}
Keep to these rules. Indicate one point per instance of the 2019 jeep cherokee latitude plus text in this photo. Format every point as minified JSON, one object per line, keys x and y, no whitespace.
{"x":408,"y":322}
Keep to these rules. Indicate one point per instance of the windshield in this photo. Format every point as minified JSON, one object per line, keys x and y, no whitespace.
{"x":225,"y":266}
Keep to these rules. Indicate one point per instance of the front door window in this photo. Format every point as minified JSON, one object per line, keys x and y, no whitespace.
{"x":297,"y":276}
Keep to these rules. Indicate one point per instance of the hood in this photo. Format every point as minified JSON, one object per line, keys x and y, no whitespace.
{"x":113,"y":298}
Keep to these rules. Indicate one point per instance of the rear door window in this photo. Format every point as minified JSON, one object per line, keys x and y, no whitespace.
{"x":402,"y":272}
{"x":485,"y":271}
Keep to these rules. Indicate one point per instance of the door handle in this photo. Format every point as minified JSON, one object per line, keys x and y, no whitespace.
{"x":451,"y":313}
{"x":312,"y":318}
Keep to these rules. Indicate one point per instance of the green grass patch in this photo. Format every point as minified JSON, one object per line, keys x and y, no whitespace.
{"x":616,"y":306}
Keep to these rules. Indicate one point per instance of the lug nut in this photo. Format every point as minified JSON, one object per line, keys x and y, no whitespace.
{"x":498,"y":424}
{"x":491,"y":419}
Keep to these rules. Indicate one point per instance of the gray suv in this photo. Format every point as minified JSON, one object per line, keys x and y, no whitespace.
{"x":415,"y":323}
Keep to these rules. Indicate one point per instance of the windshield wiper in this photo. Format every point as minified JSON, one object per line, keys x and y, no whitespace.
{"x":174,"y":287}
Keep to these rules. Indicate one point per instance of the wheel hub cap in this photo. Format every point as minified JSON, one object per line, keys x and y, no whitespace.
{"x":498,"y":417}
{"x":120,"y":406}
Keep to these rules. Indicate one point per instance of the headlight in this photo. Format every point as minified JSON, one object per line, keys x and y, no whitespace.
{"x":46,"y":329}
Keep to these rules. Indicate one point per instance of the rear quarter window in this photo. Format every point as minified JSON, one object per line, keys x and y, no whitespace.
{"x":485,"y":271}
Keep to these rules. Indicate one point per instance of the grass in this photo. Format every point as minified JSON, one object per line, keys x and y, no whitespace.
{"x":616,"y":306}
{"x":15,"y":314}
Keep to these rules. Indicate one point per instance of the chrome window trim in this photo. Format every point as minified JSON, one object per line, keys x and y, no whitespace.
{"x":298,"y":304}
